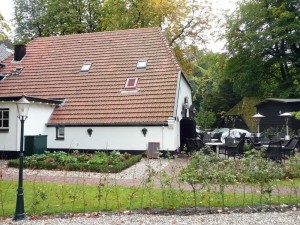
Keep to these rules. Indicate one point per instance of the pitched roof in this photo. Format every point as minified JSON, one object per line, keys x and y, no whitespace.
{"x":4,"y":52}
{"x":51,"y":70}
{"x":246,"y":109}
{"x":282,"y":100}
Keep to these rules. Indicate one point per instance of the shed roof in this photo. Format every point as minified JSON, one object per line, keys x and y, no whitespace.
{"x":51,"y":70}
{"x":282,"y":100}
{"x":4,"y":52}
{"x":246,"y":109}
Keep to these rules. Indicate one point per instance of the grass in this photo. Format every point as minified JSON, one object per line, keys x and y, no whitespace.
{"x":50,"y":198}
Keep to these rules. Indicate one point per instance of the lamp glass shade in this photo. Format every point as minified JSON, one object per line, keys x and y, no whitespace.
{"x":23,"y":107}
{"x":258,"y":115}
{"x":285,"y":114}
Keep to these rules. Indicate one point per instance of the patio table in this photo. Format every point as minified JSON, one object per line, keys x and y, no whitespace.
{"x":217,"y":144}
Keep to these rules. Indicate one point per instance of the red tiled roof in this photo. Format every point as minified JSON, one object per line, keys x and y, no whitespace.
{"x":51,"y":69}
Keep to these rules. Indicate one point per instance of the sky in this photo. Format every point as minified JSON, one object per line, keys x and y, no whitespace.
{"x":6,"y":9}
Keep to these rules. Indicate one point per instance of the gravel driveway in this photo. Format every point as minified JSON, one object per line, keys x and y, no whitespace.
{"x":269,"y":218}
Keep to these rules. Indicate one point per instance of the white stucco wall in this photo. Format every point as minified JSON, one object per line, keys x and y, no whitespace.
{"x":35,"y":124}
{"x":111,"y":138}
{"x":8,"y":140}
{"x":184,"y":90}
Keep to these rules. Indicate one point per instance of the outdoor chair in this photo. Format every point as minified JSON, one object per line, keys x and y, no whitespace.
{"x":264,"y":140}
{"x":229,"y":141}
{"x":206,"y":137}
{"x":194,"y":144}
{"x":235,"y":151}
{"x":217,"y":136}
{"x":289,"y":148}
{"x":242,"y":136}
{"x":274,"y":151}
{"x":254,"y":143}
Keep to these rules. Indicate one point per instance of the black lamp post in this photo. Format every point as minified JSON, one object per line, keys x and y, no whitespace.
{"x":23,"y":107}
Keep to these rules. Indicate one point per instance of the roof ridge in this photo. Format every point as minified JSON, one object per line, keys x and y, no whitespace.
{"x":169,"y":49}
{"x":98,"y":32}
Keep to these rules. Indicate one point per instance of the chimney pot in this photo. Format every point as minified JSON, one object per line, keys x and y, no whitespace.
{"x":20,"y":52}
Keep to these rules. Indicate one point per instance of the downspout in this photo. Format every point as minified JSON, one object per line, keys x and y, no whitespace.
{"x":163,"y":138}
{"x":179,"y":77}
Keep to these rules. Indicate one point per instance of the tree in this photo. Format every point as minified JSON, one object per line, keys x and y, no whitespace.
{"x":264,"y":48}
{"x":181,"y":20}
{"x":3,"y":28}
{"x":28,"y":19}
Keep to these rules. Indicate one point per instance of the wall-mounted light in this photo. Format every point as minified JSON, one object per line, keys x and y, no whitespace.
{"x":90,"y":131}
{"x":144,"y":131}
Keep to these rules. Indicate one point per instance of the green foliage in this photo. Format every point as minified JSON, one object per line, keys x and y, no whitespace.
{"x":263,"y":48}
{"x":3,"y":28}
{"x":296,"y":115}
{"x":180,"y":19}
{"x":205,"y":119}
{"x":97,"y":162}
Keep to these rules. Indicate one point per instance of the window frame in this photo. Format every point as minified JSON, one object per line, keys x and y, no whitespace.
{"x":2,"y":119}
{"x":88,"y":66}
{"x":60,"y":136}
{"x":131,"y":87}
{"x":142,"y":64}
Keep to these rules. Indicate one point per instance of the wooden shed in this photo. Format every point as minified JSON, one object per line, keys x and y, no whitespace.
{"x":271,"y":108}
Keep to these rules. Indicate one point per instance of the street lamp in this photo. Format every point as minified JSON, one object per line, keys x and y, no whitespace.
{"x":258,"y":116}
{"x":286,"y":116}
{"x":23,"y":107}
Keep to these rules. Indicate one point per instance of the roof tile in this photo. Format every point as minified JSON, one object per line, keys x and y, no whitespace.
{"x":51,"y":69}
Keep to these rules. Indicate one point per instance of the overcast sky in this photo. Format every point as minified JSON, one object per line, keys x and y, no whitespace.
{"x":6,"y":9}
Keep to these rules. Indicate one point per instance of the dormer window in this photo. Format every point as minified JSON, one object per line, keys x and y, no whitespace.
{"x":142,"y":64}
{"x":131,"y":83}
{"x":86,"y":67}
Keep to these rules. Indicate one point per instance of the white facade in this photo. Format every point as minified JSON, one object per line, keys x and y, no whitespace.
{"x":35,"y":124}
{"x":127,"y":138}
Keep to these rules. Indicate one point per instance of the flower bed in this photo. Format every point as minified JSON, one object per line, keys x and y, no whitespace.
{"x":98,"y":162}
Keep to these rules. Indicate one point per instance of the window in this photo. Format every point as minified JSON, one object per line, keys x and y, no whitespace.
{"x":86,"y":67}
{"x":2,"y":77}
{"x":60,"y":133}
{"x":4,"y":119}
{"x":142,"y":64}
{"x":131,"y":83}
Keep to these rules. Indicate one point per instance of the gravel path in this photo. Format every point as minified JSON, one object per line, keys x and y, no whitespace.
{"x":270,"y":218}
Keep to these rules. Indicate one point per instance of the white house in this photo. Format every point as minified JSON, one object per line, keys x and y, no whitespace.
{"x":119,"y":90}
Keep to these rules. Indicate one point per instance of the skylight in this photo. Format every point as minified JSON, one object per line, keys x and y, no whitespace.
{"x":131,"y":83}
{"x":142,"y":64}
{"x":86,"y":67}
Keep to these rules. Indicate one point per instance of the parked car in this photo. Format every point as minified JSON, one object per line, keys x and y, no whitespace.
{"x":235,"y":133}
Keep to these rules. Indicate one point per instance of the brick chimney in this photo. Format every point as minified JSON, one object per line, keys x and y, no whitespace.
{"x":20,"y":52}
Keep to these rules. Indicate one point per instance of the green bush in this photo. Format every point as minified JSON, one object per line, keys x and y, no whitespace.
{"x":97,"y":162}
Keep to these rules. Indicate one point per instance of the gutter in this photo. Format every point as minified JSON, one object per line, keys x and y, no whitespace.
{"x":138,"y":124}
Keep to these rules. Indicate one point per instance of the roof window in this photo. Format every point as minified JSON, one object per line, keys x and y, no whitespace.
{"x":131,"y":83}
{"x":2,"y":77}
{"x":141,"y":64}
{"x":86,"y":67}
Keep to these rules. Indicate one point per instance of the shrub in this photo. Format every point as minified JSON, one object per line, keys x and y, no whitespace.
{"x":97,"y":162}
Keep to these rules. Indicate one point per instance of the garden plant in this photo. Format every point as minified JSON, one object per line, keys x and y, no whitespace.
{"x":207,"y":181}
